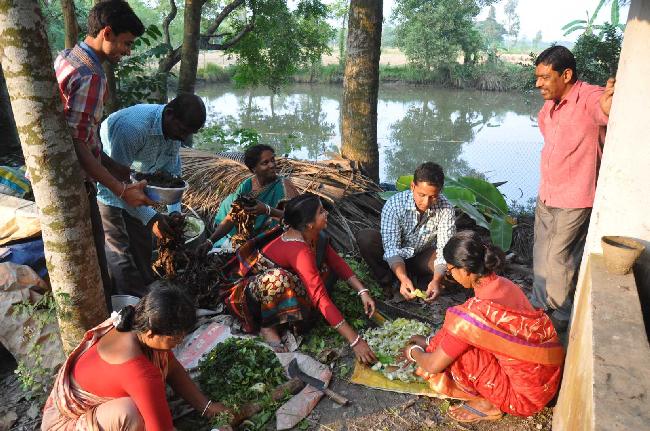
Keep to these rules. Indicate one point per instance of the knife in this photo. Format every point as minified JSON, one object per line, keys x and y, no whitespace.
{"x":294,"y":371}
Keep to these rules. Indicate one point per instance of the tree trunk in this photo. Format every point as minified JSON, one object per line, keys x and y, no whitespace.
{"x":112,"y":103}
{"x":55,"y":172}
{"x":10,"y":142}
{"x":190,"y":50}
{"x":70,"y":25}
{"x":361,"y":85}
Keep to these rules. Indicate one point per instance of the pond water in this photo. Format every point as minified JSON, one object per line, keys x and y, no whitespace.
{"x":467,"y":132}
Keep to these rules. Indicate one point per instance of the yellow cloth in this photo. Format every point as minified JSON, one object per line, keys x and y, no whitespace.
{"x":374,"y":379}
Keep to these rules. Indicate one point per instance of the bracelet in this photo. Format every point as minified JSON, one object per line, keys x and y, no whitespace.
{"x":205,"y":409}
{"x":356,"y":341}
{"x":123,"y":190}
{"x":362,"y":291}
{"x":268,"y":209}
{"x":409,"y":355}
{"x":428,"y":339}
{"x":338,"y":325}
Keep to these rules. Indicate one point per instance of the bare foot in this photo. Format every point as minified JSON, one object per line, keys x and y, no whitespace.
{"x":273,"y":339}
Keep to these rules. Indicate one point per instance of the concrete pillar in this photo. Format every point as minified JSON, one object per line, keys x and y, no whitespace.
{"x":621,"y":207}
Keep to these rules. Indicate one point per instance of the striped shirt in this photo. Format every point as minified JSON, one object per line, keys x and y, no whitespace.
{"x":134,"y":137}
{"x":405,"y":232}
{"x":83,"y":89}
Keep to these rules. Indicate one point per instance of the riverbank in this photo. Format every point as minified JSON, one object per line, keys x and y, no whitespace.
{"x":497,"y":76}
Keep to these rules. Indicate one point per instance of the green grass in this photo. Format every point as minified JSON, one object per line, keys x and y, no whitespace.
{"x":213,"y":73}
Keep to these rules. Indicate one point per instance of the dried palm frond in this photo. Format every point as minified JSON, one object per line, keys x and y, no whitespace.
{"x":350,"y":197}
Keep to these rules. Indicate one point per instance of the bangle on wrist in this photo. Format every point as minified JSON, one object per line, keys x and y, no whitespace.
{"x":268,"y":209}
{"x":362,"y":291}
{"x":356,"y":341}
{"x":338,"y":325}
{"x":123,"y":190}
{"x":205,"y":409}
{"x":428,"y":339}
{"x":409,"y":352}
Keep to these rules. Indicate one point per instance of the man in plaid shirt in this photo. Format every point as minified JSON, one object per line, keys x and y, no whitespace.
{"x":147,"y":138}
{"x":414,"y":225}
{"x":112,"y":28}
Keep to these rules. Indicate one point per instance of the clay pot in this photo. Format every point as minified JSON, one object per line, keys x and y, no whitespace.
{"x":620,"y":253}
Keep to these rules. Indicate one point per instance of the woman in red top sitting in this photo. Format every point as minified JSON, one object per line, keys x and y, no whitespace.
{"x":115,"y":379}
{"x":495,"y":351}
{"x":279,"y":280}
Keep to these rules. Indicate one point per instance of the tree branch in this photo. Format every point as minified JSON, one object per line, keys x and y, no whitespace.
{"x":168,"y":20}
{"x":223,"y":15}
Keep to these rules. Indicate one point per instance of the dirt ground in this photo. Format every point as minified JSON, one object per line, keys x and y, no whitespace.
{"x":369,"y":410}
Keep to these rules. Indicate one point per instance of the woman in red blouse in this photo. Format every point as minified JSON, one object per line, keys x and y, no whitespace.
{"x":495,"y":351}
{"x":115,"y":379}
{"x":279,"y":279}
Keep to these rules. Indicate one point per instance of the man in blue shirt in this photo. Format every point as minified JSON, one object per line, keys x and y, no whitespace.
{"x":147,"y":138}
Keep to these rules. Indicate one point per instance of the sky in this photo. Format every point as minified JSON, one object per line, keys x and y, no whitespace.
{"x":548,"y":16}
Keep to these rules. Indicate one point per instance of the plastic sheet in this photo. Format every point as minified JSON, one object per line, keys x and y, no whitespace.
{"x":374,"y":379}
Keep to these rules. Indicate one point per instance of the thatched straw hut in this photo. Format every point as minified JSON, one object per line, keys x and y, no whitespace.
{"x":350,"y":197}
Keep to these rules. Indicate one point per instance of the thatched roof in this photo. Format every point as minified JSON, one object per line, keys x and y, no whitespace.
{"x":350,"y":197}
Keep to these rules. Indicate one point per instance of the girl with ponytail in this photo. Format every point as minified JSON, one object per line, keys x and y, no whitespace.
{"x":495,"y":351}
{"x":115,"y":379}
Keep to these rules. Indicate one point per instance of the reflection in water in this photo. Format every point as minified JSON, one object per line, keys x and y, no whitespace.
{"x":468,"y":132}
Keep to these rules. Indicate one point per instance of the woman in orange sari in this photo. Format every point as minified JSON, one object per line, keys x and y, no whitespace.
{"x":495,"y":351}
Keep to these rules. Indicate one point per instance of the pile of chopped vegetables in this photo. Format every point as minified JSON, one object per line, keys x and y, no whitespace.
{"x":387,"y":342}
{"x":192,"y":227}
{"x":238,"y":371}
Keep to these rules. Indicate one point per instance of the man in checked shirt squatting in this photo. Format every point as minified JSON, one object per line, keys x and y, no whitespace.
{"x":415,"y":224}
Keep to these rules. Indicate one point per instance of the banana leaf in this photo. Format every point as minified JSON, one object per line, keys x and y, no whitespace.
{"x":471,"y":211}
{"x":501,"y":233}
{"x":456,"y":193}
{"x":404,"y":183}
{"x":486,"y":194}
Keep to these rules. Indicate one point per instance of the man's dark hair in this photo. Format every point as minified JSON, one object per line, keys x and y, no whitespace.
{"x":189,"y":110}
{"x":116,"y":14}
{"x":559,"y":58}
{"x":431,"y":173}
{"x":253,"y":155}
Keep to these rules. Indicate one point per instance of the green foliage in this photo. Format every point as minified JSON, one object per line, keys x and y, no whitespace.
{"x":219,"y":139}
{"x":238,"y":370}
{"x":214,"y":73}
{"x":596,"y":59}
{"x":588,"y":26}
{"x":282,"y":41}
{"x":432,"y":33}
{"x":34,"y":377}
{"x":136,"y":81}
{"x":491,"y":30}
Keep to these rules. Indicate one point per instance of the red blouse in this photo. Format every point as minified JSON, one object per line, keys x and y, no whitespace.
{"x":136,"y":378}
{"x":492,"y":288}
{"x":299,"y":258}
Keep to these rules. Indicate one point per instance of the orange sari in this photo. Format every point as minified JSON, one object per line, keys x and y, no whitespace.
{"x":515,"y":359}
{"x":71,"y":408}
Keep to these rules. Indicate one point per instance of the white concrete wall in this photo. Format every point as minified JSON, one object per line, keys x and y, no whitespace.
{"x":622,"y":205}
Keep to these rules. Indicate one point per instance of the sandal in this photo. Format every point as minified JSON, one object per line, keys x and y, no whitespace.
{"x":480,"y":416}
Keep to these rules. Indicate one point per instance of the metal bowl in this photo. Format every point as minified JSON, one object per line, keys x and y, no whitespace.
{"x":196,"y":240}
{"x":165,"y":195}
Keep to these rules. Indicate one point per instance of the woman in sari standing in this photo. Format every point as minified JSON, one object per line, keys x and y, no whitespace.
{"x":279,"y":278}
{"x":495,"y":351}
{"x":115,"y":379}
{"x":265,"y":186}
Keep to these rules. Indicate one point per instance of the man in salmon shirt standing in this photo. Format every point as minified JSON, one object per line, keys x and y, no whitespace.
{"x":573,"y":122}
